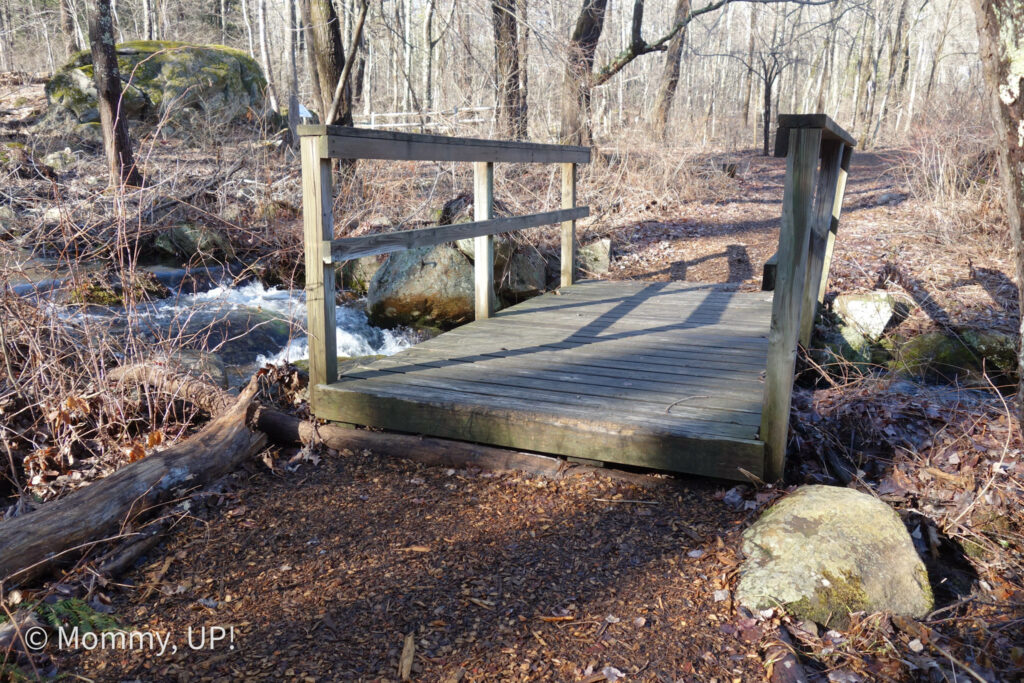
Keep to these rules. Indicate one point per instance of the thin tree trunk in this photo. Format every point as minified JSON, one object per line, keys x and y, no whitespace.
{"x":224,"y":22}
{"x":116,"y":142}
{"x":507,"y":97}
{"x":1001,"y":39}
{"x":147,"y":20}
{"x":67,"y":27}
{"x":248,"y":26}
{"x":524,"y":61}
{"x":428,"y":56}
{"x":669,"y":80}
{"x":292,"y":50}
{"x":261,"y":21}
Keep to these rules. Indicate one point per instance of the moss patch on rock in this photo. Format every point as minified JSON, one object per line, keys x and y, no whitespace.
{"x":163,"y":78}
{"x":101,"y":290}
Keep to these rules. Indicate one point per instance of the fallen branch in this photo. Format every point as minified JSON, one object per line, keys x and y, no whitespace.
{"x":32,"y":544}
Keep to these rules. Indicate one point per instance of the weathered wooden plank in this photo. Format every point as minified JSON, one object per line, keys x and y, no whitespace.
{"x":547,"y":433}
{"x":611,"y":360}
{"x":318,"y":225}
{"x":415,"y":385}
{"x":573,"y":383}
{"x":363,"y":143}
{"x":386,"y":242}
{"x":830,"y":130}
{"x":797,"y":212}
{"x":483,"y":245}
{"x":821,"y":221}
{"x":680,"y":332}
{"x":837,"y":211}
{"x":569,"y":246}
{"x":584,"y":407}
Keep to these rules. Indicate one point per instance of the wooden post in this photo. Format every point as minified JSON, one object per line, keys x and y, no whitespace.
{"x":797,"y":216}
{"x":824,"y":206}
{"x":837,"y":210}
{"x":318,"y":225}
{"x":568,"y":227}
{"x":483,"y":247}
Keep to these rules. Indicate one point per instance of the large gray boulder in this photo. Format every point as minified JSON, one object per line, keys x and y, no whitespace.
{"x":824,"y":552}
{"x":163,"y":77}
{"x":524,"y":277}
{"x":870,"y":314}
{"x":427,"y":287}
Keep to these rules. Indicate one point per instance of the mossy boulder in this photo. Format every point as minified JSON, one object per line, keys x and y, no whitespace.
{"x":357,"y":274}
{"x":103,"y":290}
{"x":966,"y":356}
{"x":824,"y":552}
{"x":161,"y":78}
{"x":871,"y":314}
{"x":188,"y":242}
{"x":430,"y":287}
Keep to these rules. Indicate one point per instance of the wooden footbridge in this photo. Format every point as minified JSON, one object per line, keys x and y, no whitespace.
{"x":670,"y":375}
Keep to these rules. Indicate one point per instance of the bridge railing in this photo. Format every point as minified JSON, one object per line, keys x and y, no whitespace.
{"x":818,"y":156}
{"x":320,"y":144}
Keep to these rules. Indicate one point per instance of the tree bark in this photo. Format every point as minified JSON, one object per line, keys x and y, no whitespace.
{"x":116,"y":142}
{"x":327,"y":57}
{"x":428,"y":56}
{"x":67,"y":27}
{"x":1001,"y":39}
{"x":511,"y":106}
{"x":575,"y":126}
{"x":669,"y":80}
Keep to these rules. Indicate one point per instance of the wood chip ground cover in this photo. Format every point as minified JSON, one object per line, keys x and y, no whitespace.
{"x":325,"y":571}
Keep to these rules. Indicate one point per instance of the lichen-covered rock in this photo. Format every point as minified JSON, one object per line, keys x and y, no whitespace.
{"x":199,"y":364}
{"x":163,"y":77}
{"x":595,"y":258}
{"x":357,"y":274}
{"x":966,"y":356}
{"x":104,"y":290}
{"x":187,"y":242}
{"x":428,"y":287}
{"x":872,"y":313}
{"x":8,"y":223}
{"x":524,"y":277}
{"x":824,"y":552}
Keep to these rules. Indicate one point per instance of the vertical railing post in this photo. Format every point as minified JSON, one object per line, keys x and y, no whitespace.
{"x":837,"y":210}
{"x":318,"y":226}
{"x":483,"y":247}
{"x":797,"y":217}
{"x":821,"y":223}
{"x":568,"y":227}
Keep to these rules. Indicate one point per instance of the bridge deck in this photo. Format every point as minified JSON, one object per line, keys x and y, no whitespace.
{"x":663,"y":375}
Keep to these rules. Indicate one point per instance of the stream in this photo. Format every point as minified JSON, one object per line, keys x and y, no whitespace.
{"x":246,"y":324}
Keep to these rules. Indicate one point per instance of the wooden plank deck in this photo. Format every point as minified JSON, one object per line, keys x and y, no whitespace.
{"x":664,"y":375}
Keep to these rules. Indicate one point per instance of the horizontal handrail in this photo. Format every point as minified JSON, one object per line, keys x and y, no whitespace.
{"x":343,"y":142}
{"x":385,"y":243}
{"x":830,"y":130}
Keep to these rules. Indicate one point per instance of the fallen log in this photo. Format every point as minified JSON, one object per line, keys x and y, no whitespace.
{"x":33,"y":544}
{"x":286,"y":429}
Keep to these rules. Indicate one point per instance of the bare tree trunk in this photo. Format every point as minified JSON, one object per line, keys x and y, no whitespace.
{"x":407,"y":52}
{"x":292,"y":50}
{"x":1001,"y":39}
{"x":327,"y":57}
{"x":261,"y":21}
{"x":524,"y":61}
{"x":508,"y":97}
{"x":5,"y":38}
{"x":224,"y":22}
{"x":147,"y":19}
{"x":575,"y":121}
{"x":248,"y":27}
{"x":67,"y":27}
{"x":670,"y":74}
{"x":428,"y":56}
{"x":116,"y":142}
